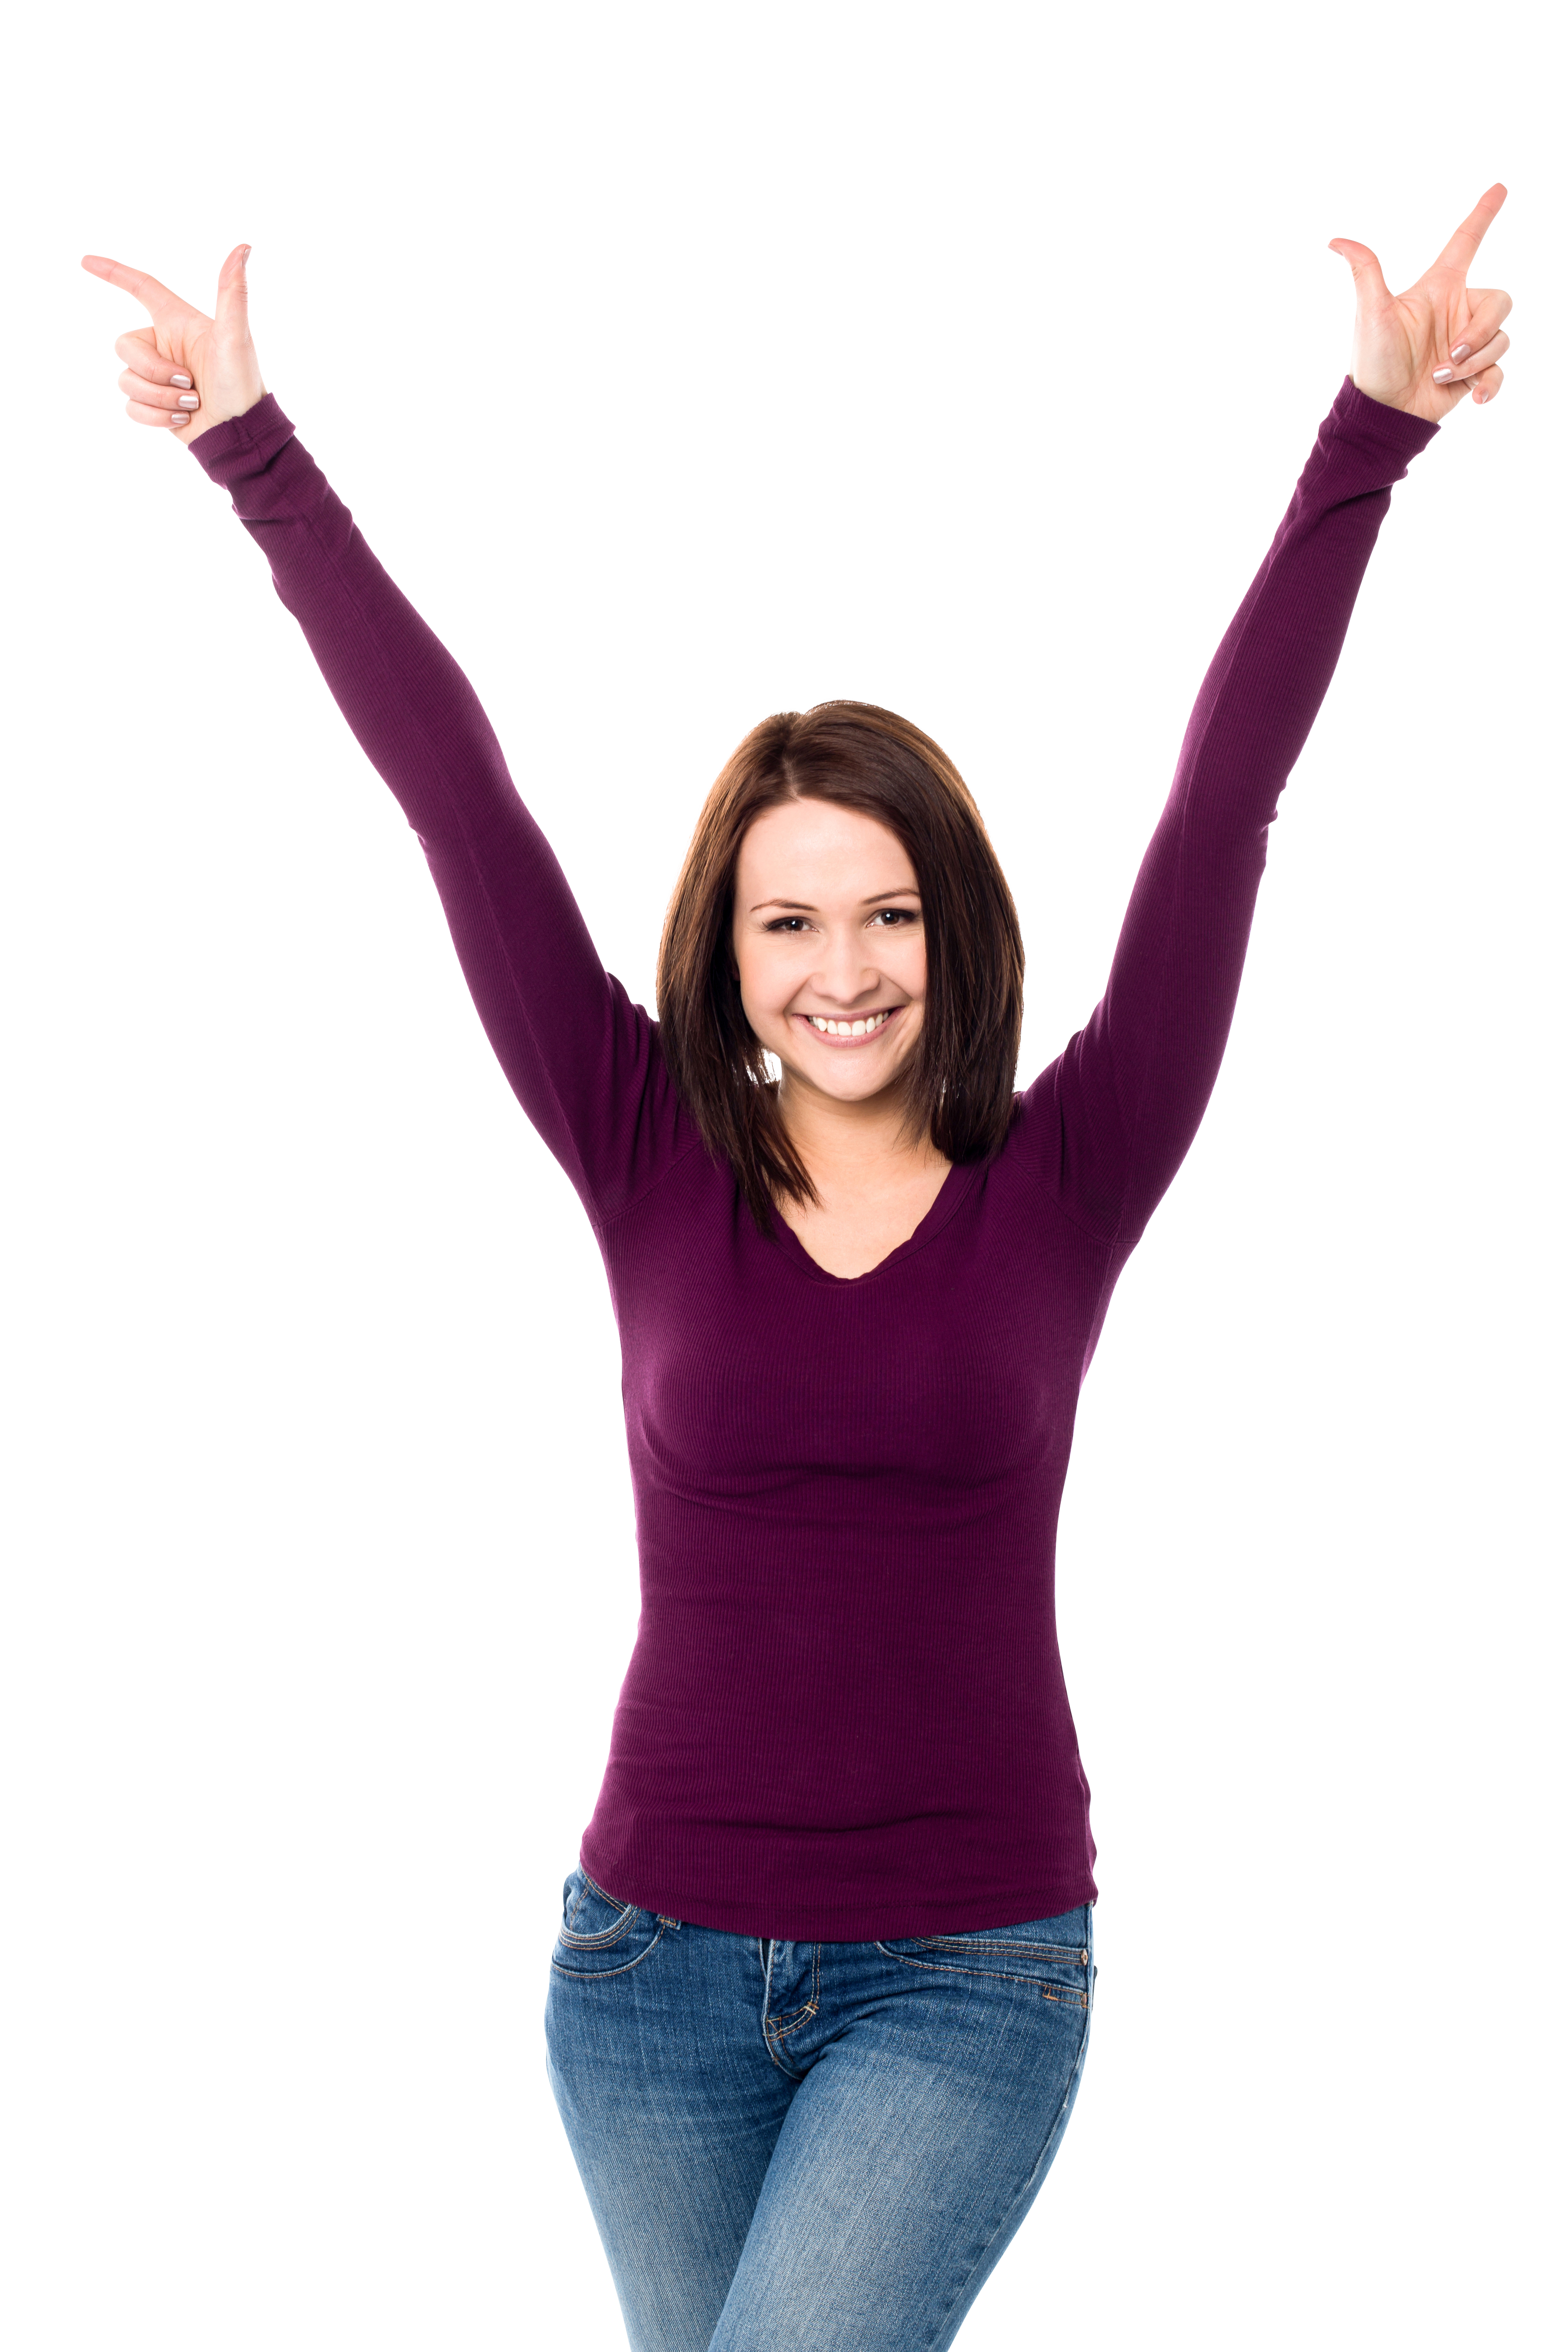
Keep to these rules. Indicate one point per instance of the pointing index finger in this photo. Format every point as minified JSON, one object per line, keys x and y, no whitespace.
{"x":152,"y":295}
{"x":1460,"y":249}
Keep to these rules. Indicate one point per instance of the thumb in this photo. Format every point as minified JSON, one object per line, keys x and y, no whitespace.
{"x":232,"y":314}
{"x":1364,"y":268}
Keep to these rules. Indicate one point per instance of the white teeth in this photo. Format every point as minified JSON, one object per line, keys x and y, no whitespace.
{"x":862,"y":1028}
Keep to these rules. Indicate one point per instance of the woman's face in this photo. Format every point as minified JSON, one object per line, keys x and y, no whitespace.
{"x":830,"y":947}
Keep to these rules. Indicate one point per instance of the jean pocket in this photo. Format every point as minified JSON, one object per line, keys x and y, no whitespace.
{"x":1056,"y":1954}
{"x":599,"y":1936}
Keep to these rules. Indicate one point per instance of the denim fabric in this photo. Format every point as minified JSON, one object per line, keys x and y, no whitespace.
{"x":809,"y":2145}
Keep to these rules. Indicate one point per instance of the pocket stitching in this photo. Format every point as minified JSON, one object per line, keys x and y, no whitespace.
{"x":605,"y":1936}
{"x":1073,"y":1954}
{"x":593,"y":1976}
{"x":1003,"y":1976}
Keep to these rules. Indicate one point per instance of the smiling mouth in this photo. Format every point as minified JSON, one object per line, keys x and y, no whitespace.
{"x":857,"y":1032}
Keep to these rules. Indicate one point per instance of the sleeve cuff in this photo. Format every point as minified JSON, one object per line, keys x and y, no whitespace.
{"x":1358,"y":417}
{"x":242,"y":445}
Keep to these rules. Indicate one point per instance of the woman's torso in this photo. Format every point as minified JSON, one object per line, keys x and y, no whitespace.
{"x":845,"y":1713}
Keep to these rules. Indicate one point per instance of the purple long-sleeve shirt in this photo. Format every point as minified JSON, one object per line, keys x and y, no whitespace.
{"x":845,"y":1716}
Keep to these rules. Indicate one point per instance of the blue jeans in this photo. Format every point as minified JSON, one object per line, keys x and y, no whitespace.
{"x":809,"y":2145}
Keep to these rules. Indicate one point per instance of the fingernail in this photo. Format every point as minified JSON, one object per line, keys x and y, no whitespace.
{"x":1441,"y":372}
{"x":190,"y":400}
{"x":180,"y":379}
{"x":1460,"y":352}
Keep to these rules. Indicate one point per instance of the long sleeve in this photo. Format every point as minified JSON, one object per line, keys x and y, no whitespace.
{"x":1113,"y":1116}
{"x":582,"y":1060}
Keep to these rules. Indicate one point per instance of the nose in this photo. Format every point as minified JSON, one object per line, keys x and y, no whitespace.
{"x":845,"y":973}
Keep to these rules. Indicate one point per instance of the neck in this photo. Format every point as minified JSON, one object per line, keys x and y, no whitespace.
{"x":846,"y":1139}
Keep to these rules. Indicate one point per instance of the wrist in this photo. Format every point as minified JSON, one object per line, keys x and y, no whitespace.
{"x":221,"y":410}
{"x":1384,"y":399}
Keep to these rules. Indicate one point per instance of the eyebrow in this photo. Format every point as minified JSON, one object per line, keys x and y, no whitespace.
{"x":803,"y":907}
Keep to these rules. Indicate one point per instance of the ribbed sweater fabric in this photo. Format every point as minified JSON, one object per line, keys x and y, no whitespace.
{"x":845,"y":1716}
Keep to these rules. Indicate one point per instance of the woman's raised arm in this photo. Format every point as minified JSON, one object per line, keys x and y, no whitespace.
{"x":582,"y":1060}
{"x":1111,"y":1119}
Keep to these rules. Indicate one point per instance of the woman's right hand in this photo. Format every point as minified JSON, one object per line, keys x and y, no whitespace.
{"x":186,"y":372}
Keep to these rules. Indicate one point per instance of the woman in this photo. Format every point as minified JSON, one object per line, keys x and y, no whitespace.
{"x":821,"y":1992}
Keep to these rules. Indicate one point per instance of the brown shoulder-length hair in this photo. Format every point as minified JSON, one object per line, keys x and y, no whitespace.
{"x":959,"y":1086}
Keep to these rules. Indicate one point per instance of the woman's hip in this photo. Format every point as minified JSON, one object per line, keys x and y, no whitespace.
{"x":667,"y":1995}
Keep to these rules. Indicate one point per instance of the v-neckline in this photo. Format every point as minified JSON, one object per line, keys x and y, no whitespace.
{"x":949,"y":1193}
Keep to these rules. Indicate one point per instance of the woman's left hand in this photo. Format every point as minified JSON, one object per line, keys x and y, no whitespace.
{"x":1424,"y":350}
